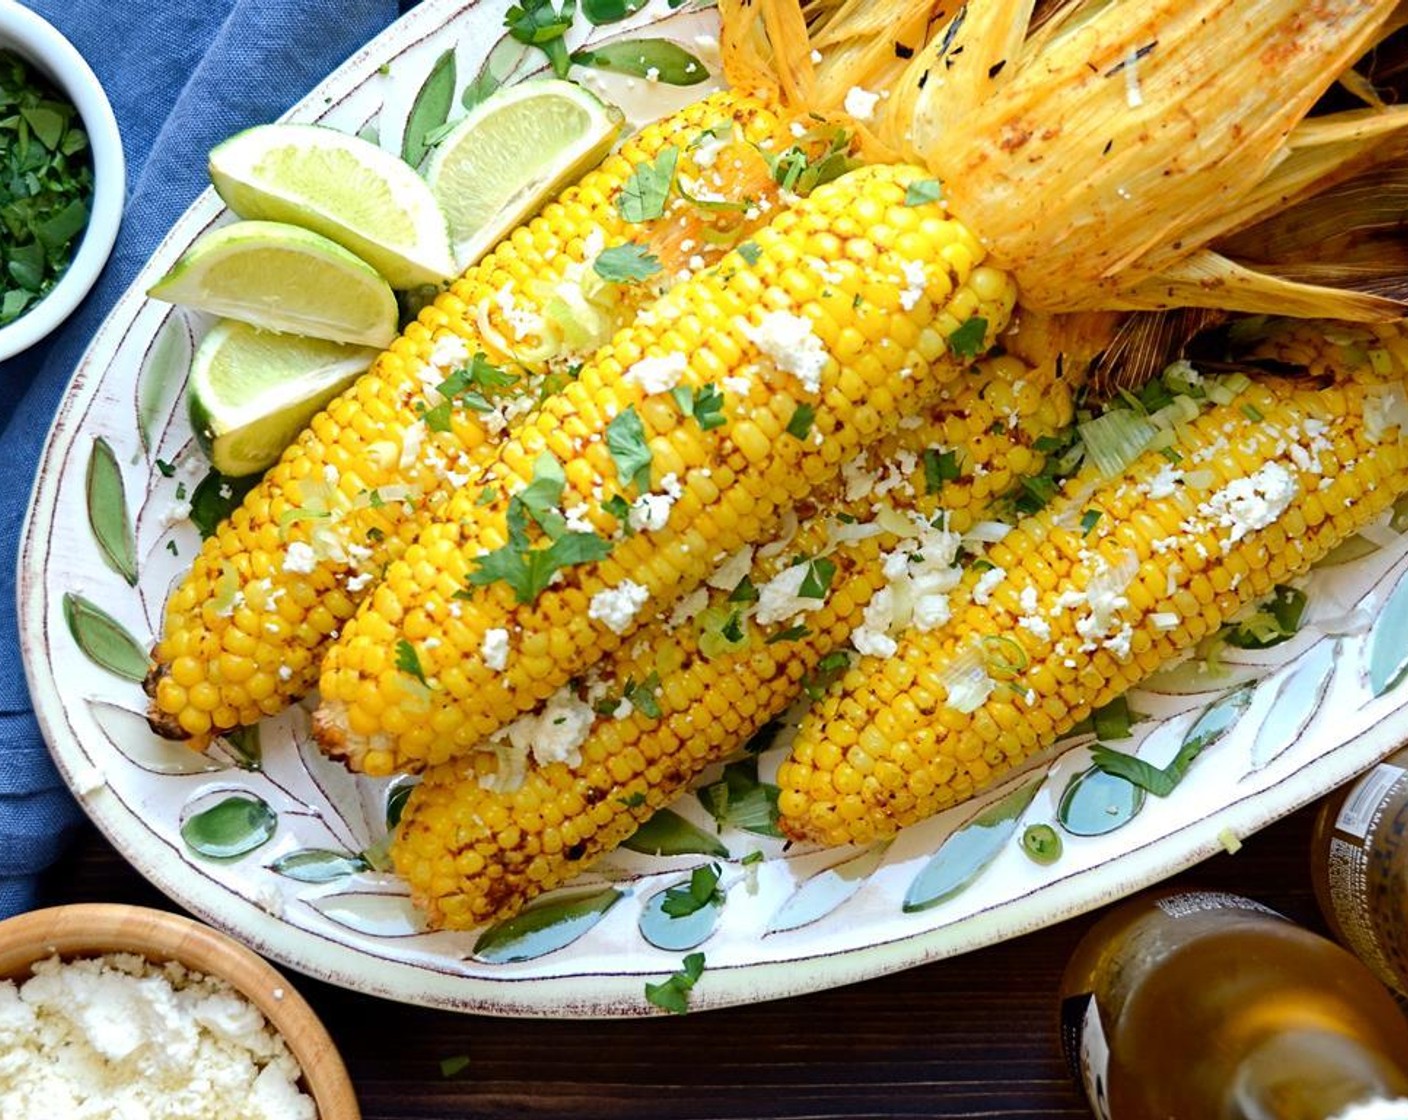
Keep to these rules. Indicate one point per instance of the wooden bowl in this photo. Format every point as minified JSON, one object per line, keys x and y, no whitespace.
{"x":93,"y":929}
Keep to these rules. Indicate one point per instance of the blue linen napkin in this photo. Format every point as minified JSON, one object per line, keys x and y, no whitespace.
{"x":181,"y":76}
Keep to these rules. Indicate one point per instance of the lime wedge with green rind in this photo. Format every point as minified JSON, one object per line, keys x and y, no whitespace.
{"x":346,"y":188}
{"x":283,"y":278}
{"x":513,"y":152}
{"x":251,"y":392}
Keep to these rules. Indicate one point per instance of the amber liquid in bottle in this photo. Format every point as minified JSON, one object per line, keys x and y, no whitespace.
{"x":1359,"y":864}
{"x":1208,"y":1006}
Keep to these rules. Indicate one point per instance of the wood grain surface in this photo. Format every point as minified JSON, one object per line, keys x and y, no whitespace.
{"x":973,"y":1036}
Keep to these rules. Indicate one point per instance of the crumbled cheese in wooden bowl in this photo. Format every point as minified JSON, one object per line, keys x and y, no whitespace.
{"x":119,"y":1037}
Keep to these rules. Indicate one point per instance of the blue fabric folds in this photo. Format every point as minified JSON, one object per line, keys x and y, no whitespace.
{"x":181,"y":75}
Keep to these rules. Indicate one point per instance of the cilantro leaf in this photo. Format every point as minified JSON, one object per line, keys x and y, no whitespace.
{"x":672,"y":994}
{"x":817,"y":581}
{"x":699,"y":892}
{"x":408,"y":660}
{"x":625,"y":439}
{"x":791,"y":634}
{"x":625,"y":264}
{"x":538,"y":24}
{"x":644,"y":194}
{"x":1160,"y":781}
{"x":745,"y":592}
{"x":801,"y":423}
{"x":828,"y":669}
{"x":705,"y":404}
{"x":642,"y":696}
{"x":751,"y":252}
{"x":939,"y":467}
{"x":619,"y":508}
{"x":921,"y":191}
{"x":967,"y":341}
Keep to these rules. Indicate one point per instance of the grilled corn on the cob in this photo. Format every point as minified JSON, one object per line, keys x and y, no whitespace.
{"x":1110,"y":582}
{"x":481,"y":835}
{"x":849,"y":310}
{"x":244,"y":631}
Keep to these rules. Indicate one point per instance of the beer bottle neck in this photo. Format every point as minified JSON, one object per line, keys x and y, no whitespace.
{"x":1310,"y":1074}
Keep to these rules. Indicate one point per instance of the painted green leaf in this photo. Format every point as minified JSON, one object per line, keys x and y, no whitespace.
{"x":1352,"y":548}
{"x":231,"y":827}
{"x":374,"y":913}
{"x":134,"y":739}
{"x":601,"y":12}
{"x":678,"y":933}
{"x":545,"y":926}
{"x":107,"y":511}
{"x":1095,"y":802}
{"x":1298,"y":697}
{"x":826,"y":890}
{"x":1388,"y":656}
{"x":658,"y":60}
{"x":669,"y":834}
{"x":430,"y":109}
{"x":968,"y":850}
{"x":740,"y":800}
{"x":162,"y":376}
{"x":245,"y":747}
{"x":317,"y":865}
{"x":502,"y":60}
{"x":396,"y":796}
{"x":104,"y":639}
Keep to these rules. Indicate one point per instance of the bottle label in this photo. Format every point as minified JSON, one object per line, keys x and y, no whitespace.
{"x":1087,"y":1050}
{"x":1362,"y":805}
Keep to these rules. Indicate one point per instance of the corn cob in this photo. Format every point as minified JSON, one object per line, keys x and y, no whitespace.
{"x":842,"y":307}
{"x":244,"y":631}
{"x":1110,"y":582}
{"x":481,"y":835}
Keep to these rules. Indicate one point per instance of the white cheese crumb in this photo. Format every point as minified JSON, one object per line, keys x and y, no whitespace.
{"x":791,"y":342}
{"x":779,"y":598}
{"x":494,"y":649}
{"x":618,"y":606}
{"x":860,"y":103}
{"x":1247,"y":504}
{"x":987,"y":583}
{"x":915,"y":280}
{"x":555,"y":734}
{"x":658,"y":375}
{"x":300,"y":558}
{"x":650,"y":512}
{"x":116,"y":1036}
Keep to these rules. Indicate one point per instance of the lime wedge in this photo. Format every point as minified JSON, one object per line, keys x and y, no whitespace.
{"x":343,"y":187}
{"x":251,"y":392}
{"x":283,"y":278}
{"x":514,"y":151}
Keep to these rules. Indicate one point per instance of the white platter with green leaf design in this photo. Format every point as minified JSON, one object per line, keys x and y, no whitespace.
{"x":264,"y":838}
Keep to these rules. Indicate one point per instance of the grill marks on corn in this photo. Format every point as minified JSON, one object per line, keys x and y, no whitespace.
{"x":483,"y":834}
{"x":881,"y":362}
{"x":1083,"y":614}
{"x":244,"y":631}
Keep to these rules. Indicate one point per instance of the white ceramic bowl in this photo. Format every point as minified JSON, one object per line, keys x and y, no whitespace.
{"x":53,"y":56}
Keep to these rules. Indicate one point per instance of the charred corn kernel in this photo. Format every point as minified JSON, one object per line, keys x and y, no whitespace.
{"x":705,"y":693}
{"x":312,"y":536}
{"x":622,"y":581}
{"x":1086,"y":640}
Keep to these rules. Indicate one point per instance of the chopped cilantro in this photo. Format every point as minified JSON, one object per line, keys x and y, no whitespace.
{"x":1089,"y":519}
{"x":466,"y":386}
{"x":751,"y":252}
{"x":625,"y":264}
{"x":921,"y":191}
{"x":817,"y":582}
{"x":801,"y":423}
{"x":642,"y":696}
{"x":689,"y":898}
{"x":633,"y":800}
{"x":215,"y":498}
{"x":166,"y":469}
{"x":625,"y":439}
{"x":644,"y":194}
{"x":705,"y":404}
{"x":1274,"y":621}
{"x":745,"y":592}
{"x":408,"y":660}
{"x":46,"y":186}
{"x":537,"y":24}
{"x":828,"y":669}
{"x":672,"y":994}
{"x":1113,"y":720}
{"x":620,"y":509}
{"x":796,"y":170}
{"x":487,"y":495}
{"x":939,"y":467}
{"x":732,"y":629}
{"x":967,"y":341}
{"x":791,"y":634}
{"x":1160,"y":781}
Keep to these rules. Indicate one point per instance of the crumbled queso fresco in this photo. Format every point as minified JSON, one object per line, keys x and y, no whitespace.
{"x":118,"y":1038}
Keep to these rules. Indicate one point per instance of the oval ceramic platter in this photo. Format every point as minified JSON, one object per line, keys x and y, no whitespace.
{"x":264,"y":838}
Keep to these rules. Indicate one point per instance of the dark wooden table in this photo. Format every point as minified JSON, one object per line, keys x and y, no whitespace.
{"x":969,"y":1037}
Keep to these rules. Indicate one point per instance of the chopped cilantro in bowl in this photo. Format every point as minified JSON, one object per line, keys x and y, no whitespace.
{"x":46,"y":185}
{"x":62,"y":178}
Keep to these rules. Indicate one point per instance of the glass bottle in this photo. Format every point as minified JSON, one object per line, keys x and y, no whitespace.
{"x":1209,"y":1006}
{"x":1359,"y":865}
